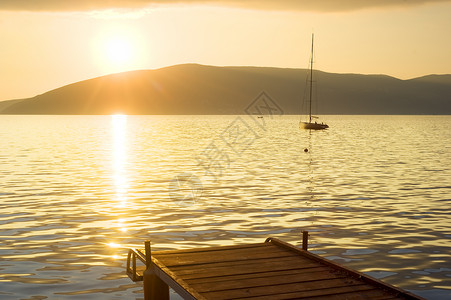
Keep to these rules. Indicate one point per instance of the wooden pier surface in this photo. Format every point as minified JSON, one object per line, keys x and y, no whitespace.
{"x":270,"y":270}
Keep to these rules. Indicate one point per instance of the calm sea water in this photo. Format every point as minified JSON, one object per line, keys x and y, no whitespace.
{"x":76,"y":191}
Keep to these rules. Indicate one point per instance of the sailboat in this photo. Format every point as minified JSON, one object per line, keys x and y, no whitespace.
{"x":311,"y":125}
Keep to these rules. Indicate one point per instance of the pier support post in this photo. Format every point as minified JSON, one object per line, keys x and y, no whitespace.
{"x":304,"y":240}
{"x":154,"y":287}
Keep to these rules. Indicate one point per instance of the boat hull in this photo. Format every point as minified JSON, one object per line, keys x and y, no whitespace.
{"x":314,"y":126}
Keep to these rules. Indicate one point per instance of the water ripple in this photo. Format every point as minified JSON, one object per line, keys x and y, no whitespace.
{"x":76,"y":191}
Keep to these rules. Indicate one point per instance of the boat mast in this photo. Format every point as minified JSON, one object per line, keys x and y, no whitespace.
{"x":311,"y":83}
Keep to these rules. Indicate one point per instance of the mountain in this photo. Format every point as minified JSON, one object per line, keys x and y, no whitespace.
{"x":5,"y":104}
{"x":200,"y":89}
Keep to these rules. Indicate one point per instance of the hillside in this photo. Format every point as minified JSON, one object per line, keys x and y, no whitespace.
{"x":199,"y":89}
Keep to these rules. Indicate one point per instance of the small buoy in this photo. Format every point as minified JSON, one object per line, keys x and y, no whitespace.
{"x":305,"y":150}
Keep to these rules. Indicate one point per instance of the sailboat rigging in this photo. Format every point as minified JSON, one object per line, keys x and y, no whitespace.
{"x":309,"y":124}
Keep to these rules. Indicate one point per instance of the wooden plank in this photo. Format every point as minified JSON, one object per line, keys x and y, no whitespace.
{"x":299,"y":261}
{"x":282,"y":288}
{"x":388,"y":296}
{"x":315,"y":294}
{"x":223,"y":256}
{"x":288,"y":263}
{"x":299,"y":278}
{"x":262,"y":265}
{"x":268,"y":248}
{"x":205,"y":259}
{"x":207,"y":248}
{"x":361,"y":295}
{"x":256,"y":275}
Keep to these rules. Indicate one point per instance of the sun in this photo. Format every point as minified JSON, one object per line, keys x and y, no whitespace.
{"x":118,"y":50}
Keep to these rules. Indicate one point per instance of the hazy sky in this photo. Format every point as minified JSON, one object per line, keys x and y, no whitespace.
{"x":49,"y":43}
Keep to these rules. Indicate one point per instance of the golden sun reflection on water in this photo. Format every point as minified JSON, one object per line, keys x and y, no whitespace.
{"x":114,"y":245}
{"x":119,"y":133}
{"x":119,"y":173}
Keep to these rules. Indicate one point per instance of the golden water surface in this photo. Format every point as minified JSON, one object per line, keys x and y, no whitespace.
{"x":76,"y":191}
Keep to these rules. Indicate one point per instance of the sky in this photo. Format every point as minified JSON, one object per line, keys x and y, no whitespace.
{"x":46,"y":44}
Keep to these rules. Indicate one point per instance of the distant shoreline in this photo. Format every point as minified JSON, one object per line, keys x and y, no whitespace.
{"x":192,"y":89}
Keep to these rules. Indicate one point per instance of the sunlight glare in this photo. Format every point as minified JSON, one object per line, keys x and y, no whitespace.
{"x":121,"y":225}
{"x":119,"y":132}
{"x":114,"y":245}
{"x":119,"y":50}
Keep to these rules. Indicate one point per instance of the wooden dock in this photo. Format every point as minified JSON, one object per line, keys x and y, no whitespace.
{"x":270,"y":270}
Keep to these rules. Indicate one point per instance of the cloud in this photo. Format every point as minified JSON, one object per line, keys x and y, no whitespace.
{"x":297,"y":5}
